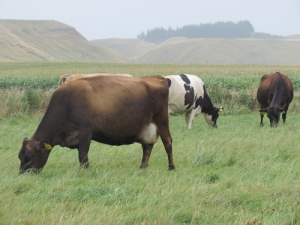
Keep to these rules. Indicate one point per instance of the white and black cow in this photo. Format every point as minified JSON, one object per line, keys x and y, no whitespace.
{"x":187,"y":95}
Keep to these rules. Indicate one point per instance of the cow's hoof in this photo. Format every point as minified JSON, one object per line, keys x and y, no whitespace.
{"x":171,"y":167}
{"x":143,"y":165}
{"x":85,"y":165}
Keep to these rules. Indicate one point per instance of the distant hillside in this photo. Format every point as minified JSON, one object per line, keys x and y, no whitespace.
{"x":49,"y":41}
{"x":25,"y":41}
{"x":225,"y":51}
{"x":129,"y":47}
{"x":296,"y":36}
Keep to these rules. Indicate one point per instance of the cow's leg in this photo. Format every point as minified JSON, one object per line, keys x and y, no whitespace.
{"x":147,"y":148}
{"x":83,"y":149}
{"x":167,"y":141}
{"x":164,"y":132}
{"x":188,"y":120}
{"x":284,"y":115}
{"x":262,"y":118}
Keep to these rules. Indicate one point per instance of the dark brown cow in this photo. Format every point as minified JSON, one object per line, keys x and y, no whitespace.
{"x":274,"y":94}
{"x":114,"y":110}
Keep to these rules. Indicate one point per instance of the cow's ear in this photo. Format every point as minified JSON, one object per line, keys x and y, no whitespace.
{"x":25,"y":140}
{"x":45,"y":145}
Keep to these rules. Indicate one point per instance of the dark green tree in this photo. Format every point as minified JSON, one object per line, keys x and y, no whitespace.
{"x":241,"y":29}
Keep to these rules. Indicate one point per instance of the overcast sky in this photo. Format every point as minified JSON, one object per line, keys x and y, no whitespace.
{"x":100,"y":19}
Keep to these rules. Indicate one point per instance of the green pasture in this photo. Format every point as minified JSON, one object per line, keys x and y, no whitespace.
{"x":239,"y":173}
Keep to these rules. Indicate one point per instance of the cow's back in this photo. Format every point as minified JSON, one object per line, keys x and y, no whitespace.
{"x":68,"y":77}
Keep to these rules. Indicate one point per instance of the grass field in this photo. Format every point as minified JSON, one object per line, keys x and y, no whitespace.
{"x":239,"y":173}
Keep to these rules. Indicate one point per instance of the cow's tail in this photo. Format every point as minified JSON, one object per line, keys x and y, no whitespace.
{"x":254,"y":103}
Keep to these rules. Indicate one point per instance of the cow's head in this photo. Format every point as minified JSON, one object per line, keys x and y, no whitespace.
{"x":273,"y":113}
{"x":212,"y":116}
{"x":34,"y":155}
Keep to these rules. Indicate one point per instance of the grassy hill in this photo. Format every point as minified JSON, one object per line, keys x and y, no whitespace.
{"x":225,"y":51}
{"x":129,"y":47}
{"x":49,"y":41}
{"x":35,"y":41}
{"x":209,"y":50}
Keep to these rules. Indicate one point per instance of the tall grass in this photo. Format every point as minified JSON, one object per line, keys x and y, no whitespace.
{"x":231,"y":86}
{"x":20,"y":102}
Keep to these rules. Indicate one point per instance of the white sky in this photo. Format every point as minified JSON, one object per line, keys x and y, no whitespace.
{"x":99,"y":19}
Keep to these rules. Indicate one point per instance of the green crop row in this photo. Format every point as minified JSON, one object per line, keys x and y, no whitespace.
{"x":234,"y":77}
{"x":231,"y":86}
{"x":46,"y":83}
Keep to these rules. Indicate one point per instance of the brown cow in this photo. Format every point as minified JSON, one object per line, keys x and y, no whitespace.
{"x":274,"y":94}
{"x":68,"y":77}
{"x":114,"y":110}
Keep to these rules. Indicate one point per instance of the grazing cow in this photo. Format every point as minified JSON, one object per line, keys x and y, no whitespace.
{"x":275,"y":93}
{"x":68,"y":77}
{"x":187,"y":95}
{"x":114,"y":110}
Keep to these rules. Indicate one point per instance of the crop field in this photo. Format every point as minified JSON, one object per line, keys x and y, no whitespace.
{"x":46,"y":75}
{"x":239,"y":173}
{"x":27,"y":87}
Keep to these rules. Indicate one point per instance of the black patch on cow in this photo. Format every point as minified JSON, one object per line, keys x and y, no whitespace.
{"x":189,"y":96}
{"x":199,"y":102}
{"x":205,"y":103}
{"x":169,"y":82}
{"x":185,"y":78}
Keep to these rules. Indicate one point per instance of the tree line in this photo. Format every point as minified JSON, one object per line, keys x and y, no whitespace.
{"x":241,"y":29}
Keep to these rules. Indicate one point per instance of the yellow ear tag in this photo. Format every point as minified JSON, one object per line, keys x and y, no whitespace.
{"x":262,"y":113}
{"x":283,"y":112}
{"x":221,"y":109}
{"x":48,"y":146}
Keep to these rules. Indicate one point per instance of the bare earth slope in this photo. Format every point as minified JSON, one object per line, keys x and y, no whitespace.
{"x":47,"y":40}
